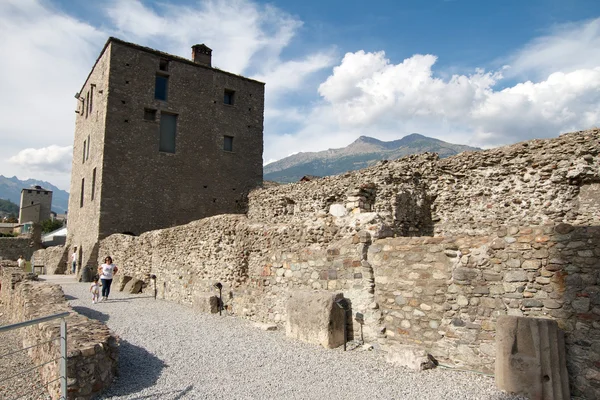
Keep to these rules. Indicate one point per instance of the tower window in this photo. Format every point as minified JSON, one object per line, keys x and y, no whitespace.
{"x":163,"y":65}
{"x":93,"y":183}
{"x":228,"y":143}
{"x":161,"y":88}
{"x":168,"y":132}
{"x":82,"y":192}
{"x":228,"y":97}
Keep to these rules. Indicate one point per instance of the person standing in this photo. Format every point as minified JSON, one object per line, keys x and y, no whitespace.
{"x":74,"y":260}
{"x":21,"y":262}
{"x":107,"y":271}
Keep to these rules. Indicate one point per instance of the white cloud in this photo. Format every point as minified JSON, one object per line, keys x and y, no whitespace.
{"x":566,"y":48}
{"x":48,"y":55}
{"x":47,"y":159}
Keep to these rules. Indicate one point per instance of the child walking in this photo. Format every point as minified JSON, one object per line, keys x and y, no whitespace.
{"x":95,"y":290}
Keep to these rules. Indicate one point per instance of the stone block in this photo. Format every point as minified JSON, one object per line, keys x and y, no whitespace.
{"x":314,"y":317}
{"x":134,"y":286}
{"x":206,"y":302}
{"x":410,"y":357}
{"x":530,"y":358}
{"x":123,"y":281}
{"x":338,"y":210}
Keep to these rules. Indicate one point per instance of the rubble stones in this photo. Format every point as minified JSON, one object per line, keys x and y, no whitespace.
{"x":93,"y":350}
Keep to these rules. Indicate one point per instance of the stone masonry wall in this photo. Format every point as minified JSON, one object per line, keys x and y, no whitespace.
{"x":258,"y":264}
{"x":92,"y":351}
{"x":54,"y":259}
{"x":445,"y":294}
{"x":13,"y":247}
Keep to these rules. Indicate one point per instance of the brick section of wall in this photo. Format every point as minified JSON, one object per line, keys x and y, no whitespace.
{"x":92,"y":350}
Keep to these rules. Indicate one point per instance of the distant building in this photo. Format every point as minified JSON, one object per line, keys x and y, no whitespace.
{"x":35,"y":204}
{"x":160,"y":141}
{"x":307,"y":178}
{"x":7,"y":227}
{"x":55,"y":238}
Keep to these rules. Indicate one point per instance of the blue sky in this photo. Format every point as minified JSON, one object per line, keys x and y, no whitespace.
{"x":477,"y":72}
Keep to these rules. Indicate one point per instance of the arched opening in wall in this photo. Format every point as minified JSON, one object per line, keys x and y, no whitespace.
{"x":412,"y":214}
{"x":129,"y":233}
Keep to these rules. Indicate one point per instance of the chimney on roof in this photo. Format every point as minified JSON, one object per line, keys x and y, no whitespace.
{"x":202,"y":54}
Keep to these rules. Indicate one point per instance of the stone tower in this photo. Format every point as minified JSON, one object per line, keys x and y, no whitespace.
{"x":160,"y":141}
{"x":35,"y":206}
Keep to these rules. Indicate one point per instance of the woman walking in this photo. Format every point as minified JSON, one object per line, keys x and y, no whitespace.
{"x":107,"y":271}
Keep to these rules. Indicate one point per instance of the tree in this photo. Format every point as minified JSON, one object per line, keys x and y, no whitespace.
{"x":50,"y":225}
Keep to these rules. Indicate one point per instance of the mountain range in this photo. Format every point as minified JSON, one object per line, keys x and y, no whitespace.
{"x":363,"y":152}
{"x":10,"y":189}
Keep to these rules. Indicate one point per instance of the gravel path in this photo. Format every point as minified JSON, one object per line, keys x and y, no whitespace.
{"x":10,"y":365}
{"x":169,"y":351}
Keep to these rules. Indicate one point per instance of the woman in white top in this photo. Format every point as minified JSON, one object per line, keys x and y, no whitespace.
{"x":107,"y":271}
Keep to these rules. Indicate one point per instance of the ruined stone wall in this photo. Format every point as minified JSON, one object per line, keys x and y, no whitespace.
{"x":529,"y":183}
{"x":92,"y":350}
{"x":445,"y":294}
{"x":54,"y":259}
{"x":13,"y":247}
{"x":256,"y":263}
{"x":430,"y":251}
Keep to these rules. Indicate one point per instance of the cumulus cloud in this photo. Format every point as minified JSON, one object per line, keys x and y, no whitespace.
{"x":51,"y":159}
{"x":367,"y":90}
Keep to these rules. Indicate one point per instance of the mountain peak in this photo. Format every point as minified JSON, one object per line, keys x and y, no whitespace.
{"x":361,"y":153}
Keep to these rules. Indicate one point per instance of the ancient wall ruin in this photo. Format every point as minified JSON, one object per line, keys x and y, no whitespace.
{"x":54,"y":259}
{"x":429,"y":251}
{"x":92,"y":350}
{"x":13,"y":247}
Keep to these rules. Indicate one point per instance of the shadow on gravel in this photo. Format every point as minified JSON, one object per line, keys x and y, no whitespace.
{"x":91,"y":313}
{"x":126,"y":299}
{"x":138,"y":370}
{"x":69,"y":297}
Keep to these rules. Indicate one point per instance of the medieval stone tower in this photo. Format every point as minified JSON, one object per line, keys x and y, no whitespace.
{"x":35,"y":204}
{"x":160,"y":141}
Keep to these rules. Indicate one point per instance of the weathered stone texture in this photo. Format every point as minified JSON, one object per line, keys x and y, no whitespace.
{"x":92,"y":351}
{"x":529,"y":183}
{"x":54,"y":259}
{"x":530,"y":358}
{"x":314,"y":317}
{"x":13,"y":247}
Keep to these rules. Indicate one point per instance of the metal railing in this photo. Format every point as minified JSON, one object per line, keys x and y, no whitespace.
{"x":63,"y":355}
